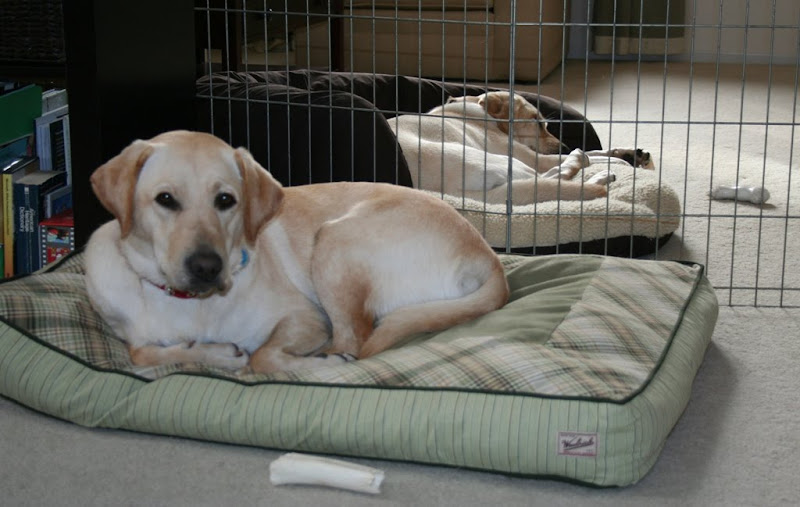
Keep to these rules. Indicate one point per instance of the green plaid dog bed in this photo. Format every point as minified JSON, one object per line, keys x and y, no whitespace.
{"x":581,"y":376}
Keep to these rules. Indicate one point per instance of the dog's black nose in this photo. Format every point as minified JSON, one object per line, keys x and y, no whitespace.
{"x":204,"y":265}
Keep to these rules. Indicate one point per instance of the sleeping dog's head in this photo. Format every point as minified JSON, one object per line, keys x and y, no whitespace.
{"x":187,"y":204}
{"x":530,"y":127}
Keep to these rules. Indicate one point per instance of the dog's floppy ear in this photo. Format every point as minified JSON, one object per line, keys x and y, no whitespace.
{"x":524,"y":110}
{"x":262,"y":194}
{"x":115,"y":181}
{"x":496,"y":105}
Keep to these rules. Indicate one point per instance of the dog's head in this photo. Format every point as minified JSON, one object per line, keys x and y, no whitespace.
{"x":530,"y":127}
{"x":187,"y":203}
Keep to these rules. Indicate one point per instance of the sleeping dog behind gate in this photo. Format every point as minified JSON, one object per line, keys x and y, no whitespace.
{"x":211,"y":260}
{"x":462,"y":148}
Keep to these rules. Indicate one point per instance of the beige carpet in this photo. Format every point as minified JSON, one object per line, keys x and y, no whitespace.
{"x":706,"y":130}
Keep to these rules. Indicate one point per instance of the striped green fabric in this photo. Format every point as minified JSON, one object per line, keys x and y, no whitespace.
{"x":581,"y":376}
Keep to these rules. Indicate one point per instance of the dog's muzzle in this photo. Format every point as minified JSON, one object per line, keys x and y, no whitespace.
{"x":204,"y":267}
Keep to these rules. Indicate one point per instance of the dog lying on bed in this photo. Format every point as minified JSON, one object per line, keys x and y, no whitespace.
{"x":211,"y":260}
{"x":459,"y":149}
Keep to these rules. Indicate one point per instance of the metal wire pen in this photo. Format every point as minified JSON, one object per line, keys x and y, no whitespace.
{"x":717,"y":106}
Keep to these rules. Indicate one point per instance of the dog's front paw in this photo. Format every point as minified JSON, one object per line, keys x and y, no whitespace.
{"x":576,"y":161}
{"x":603,"y":178}
{"x":223,"y":355}
{"x":578,"y":158}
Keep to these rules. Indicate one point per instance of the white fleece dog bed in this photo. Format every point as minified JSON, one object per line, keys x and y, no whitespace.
{"x":639,"y":204}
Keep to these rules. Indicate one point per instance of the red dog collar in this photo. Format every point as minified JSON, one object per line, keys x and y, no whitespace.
{"x":181,"y":294}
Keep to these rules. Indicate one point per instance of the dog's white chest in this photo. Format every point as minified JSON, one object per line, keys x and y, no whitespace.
{"x":245,"y":322}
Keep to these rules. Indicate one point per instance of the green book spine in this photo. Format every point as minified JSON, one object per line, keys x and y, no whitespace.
{"x":19,"y":110}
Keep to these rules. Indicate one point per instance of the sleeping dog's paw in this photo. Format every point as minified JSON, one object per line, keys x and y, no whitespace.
{"x":578,"y":158}
{"x":604,"y":177}
{"x":635,"y":157}
{"x":570,"y":166}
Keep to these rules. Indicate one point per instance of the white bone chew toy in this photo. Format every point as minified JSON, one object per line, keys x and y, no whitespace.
{"x":294,"y":468}
{"x":756,"y":195}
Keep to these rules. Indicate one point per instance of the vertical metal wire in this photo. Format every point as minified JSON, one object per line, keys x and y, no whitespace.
{"x":586,"y":91}
{"x":561,"y":110}
{"x":309,"y":115}
{"x":663,"y":123}
{"x":329,"y":32}
{"x":688,"y":124}
{"x":464,"y":131}
{"x":612,"y":78}
{"x":396,"y":86}
{"x":246,"y":71}
{"x":766,"y":146}
{"x":610,"y":118}
{"x":419,"y":92}
{"x":485,"y":124}
{"x":539,"y":79}
{"x":636,"y":124}
{"x":484,"y":223}
{"x":351,"y":24}
{"x":583,"y":146}
{"x":512,"y":80}
{"x":443,"y":98}
{"x":226,"y":13}
{"x":714,"y":132}
{"x":208,"y":59}
{"x":739,"y":147}
{"x":266,"y":67}
{"x":374,"y":99}
{"x":791,"y":160}
{"x":286,"y":43}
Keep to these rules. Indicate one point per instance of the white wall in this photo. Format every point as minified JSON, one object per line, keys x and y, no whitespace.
{"x":728,"y":40}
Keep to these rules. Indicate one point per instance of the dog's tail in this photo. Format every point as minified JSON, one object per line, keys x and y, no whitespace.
{"x":437,"y":315}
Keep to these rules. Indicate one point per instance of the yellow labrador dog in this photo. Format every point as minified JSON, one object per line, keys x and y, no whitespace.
{"x":462,"y":148}
{"x":210,"y":259}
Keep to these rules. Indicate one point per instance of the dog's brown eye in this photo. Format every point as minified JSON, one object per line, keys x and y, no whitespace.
{"x":224,"y":201}
{"x":166,"y":200}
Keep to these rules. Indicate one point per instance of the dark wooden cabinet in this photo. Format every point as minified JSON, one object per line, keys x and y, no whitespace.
{"x":130,"y":74}
{"x":32,"y":42}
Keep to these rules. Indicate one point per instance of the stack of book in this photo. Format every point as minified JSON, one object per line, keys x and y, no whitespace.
{"x":52,"y":133}
{"x":56,"y":236}
{"x":35,"y":178}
